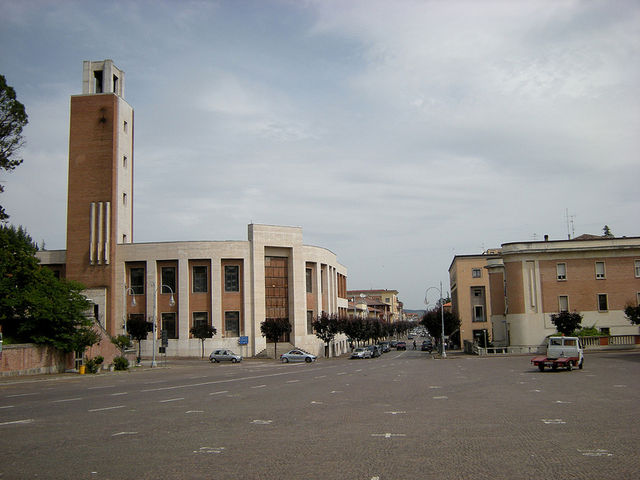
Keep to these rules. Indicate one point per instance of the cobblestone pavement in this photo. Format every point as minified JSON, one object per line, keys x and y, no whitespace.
{"x":405,"y":415}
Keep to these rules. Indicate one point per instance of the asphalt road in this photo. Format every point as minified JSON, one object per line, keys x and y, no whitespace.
{"x":404,"y":415}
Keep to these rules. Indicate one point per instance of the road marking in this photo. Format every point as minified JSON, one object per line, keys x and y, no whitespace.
{"x":7,"y":406}
{"x":321,"y":376}
{"x":560,"y":401}
{"x":262,"y":422}
{"x":553,"y":421}
{"x":619,"y":386}
{"x":443,"y":397}
{"x":342,"y":373}
{"x":171,"y":400}
{"x":395,"y":413}
{"x":435,"y":386}
{"x":259,"y":386}
{"x":313,"y":402}
{"x":28,"y":420}
{"x":194,"y":411}
{"x":124,"y":433}
{"x":336,"y":391}
{"x":293,"y":381}
{"x":120,"y":393}
{"x":106,"y":408}
{"x":103,"y":386}
{"x":208,"y":450}
{"x":67,"y":400}
{"x":219,"y":393}
{"x":596,"y":453}
{"x":21,"y":395}
{"x":536,"y":390}
{"x":388,"y":435}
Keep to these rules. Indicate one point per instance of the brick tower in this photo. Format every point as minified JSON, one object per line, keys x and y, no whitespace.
{"x":100,"y":191}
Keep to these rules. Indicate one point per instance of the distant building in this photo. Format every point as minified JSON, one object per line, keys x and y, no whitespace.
{"x":529,"y":281}
{"x":469,"y":283}
{"x":232,"y":285}
{"x":385,"y":302}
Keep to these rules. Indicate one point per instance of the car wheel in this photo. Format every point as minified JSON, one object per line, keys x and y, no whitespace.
{"x":234,"y":360}
{"x":285,"y":360}
{"x":569,"y":366}
{"x":212,"y":360}
{"x":308,"y":360}
{"x":541,"y":367}
{"x":581,"y":364}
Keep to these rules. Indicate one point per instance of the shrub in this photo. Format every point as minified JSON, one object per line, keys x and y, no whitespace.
{"x":591,"y":331}
{"x":121,"y":363}
{"x":93,"y":364}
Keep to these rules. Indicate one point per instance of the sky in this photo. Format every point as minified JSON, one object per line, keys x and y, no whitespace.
{"x":397,"y":134}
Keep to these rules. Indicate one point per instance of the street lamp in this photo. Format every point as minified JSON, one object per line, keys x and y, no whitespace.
{"x":155,"y":315}
{"x":444,"y":353}
{"x":124,"y":306}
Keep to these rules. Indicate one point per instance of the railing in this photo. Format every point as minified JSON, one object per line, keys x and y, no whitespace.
{"x":612,"y":342}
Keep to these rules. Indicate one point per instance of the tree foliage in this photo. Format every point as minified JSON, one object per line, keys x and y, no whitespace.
{"x":138,"y":328}
{"x":632,"y":313}
{"x":274,"y":328}
{"x":326,"y":327}
{"x":35,"y":306}
{"x":13,"y":118}
{"x":566,"y":322}
{"x":432,"y":321}
{"x":203,"y":331}
{"x":122,"y":342}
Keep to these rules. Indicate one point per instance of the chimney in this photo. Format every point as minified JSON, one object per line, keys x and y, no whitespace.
{"x":546,"y":238}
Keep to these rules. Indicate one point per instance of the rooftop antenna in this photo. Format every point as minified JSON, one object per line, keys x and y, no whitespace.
{"x":571,"y":232}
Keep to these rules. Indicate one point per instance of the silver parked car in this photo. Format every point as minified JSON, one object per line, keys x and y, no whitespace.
{"x":360,"y":353}
{"x":224,"y":356}
{"x":297,"y":356}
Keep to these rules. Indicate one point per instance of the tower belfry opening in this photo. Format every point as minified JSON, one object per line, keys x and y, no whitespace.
{"x":102,"y":77}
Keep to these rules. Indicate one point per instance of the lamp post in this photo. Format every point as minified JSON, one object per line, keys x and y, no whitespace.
{"x":155,"y":315}
{"x":124,"y":306}
{"x":444,"y":353}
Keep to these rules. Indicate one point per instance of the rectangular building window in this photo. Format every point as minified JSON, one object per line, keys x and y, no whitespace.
{"x":168,"y":276}
{"x":478,"y":313}
{"x":170,"y":324}
{"x":136,"y":280}
{"x":200,"y":318}
{"x":309,"y":322}
{"x":605,"y":331}
{"x":563,"y":303}
{"x":232,"y":324}
{"x":599,"y":270}
{"x":124,"y":161}
{"x":231,"y":278}
{"x":125,"y":127}
{"x":561,"y":271}
{"x":637,"y":268}
{"x":309,"y":273}
{"x":603,"y":304}
{"x":200,"y":283}
{"x":476,"y":273}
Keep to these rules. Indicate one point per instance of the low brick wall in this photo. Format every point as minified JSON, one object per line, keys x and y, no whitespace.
{"x":30,"y":359}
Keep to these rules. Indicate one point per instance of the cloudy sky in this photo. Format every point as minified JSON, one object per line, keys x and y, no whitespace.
{"x":396,"y":133}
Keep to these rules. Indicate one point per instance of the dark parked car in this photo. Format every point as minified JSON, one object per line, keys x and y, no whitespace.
{"x":427,"y":346}
{"x":393,"y":343}
{"x":401,"y":346}
{"x":385,"y":347}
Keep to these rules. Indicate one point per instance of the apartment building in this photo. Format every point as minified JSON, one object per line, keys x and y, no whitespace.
{"x":594,"y":276}
{"x":385,"y":301}
{"x":232,"y":285}
{"x":469,"y":283}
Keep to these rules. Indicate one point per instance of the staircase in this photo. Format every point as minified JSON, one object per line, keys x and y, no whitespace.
{"x":270,"y":352}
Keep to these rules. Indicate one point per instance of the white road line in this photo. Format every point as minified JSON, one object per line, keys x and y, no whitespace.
{"x":259,"y":386}
{"x":28,"y":420}
{"x":293,"y":381}
{"x":120,"y":393}
{"x":171,"y":400}
{"x":21,"y":395}
{"x":219,"y":393}
{"x":7,"y":406}
{"x":124,"y":433}
{"x":105,"y":408}
{"x":67,"y":400}
{"x":103,"y":386}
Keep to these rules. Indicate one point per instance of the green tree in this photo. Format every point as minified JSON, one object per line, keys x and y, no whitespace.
{"x":632,"y":313}
{"x":203,"y":331}
{"x":122,"y":342}
{"x":13,"y":118}
{"x":606,"y":232}
{"x":432,"y":321}
{"x":139,"y":328}
{"x":274,"y":328}
{"x":326,"y":327}
{"x":35,"y":306}
{"x":566,"y":322}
